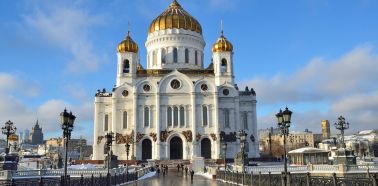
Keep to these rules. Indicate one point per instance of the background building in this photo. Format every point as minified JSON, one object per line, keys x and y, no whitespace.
{"x":273,"y":142}
{"x":325,"y":130}
{"x":36,"y":135}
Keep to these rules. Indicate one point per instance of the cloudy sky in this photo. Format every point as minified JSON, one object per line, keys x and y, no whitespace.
{"x":318,"y":57}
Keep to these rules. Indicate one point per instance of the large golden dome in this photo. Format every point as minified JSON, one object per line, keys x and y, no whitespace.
{"x":175,"y":17}
{"x":127,"y":45}
{"x":222,"y":45}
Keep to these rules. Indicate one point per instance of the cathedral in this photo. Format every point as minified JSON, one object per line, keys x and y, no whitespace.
{"x":175,"y":107}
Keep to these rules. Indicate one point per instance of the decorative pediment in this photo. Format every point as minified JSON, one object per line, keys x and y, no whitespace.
{"x":153,"y":136}
{"x":127,"y":138}
{"x":139,"y":136}
{"x":99,"y":139}
{"x":164,"y":135}
{"x":213,"y":136}
{"x":188,"y":135}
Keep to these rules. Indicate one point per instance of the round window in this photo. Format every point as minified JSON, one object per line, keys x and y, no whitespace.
{"x":204,"y":87}
{"x":226,"y":92}
{"x":125,"y":93}
{"x":175,"y":84}
{"x":146,"y":87}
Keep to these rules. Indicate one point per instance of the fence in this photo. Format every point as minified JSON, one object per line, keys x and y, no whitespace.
{"x":313,"y":168}
{"x":82,"y":180}
{"x":301,"y":179}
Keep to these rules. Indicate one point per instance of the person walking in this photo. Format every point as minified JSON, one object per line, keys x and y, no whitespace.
{"x":186,"y":170}
{"x":178,"y":167}
{"x":191,"y":175}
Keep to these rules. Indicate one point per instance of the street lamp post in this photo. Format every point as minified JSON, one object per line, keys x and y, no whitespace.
{"x":8,"y":130}
{"x":127,"y":158}
{"x":67,"y":124}
{"x":127,"y":150}
{"x":284,"y":120}
{"x":224,"y":147}
{"x":109,"y":140}
{"x":342,"y":125}
{"x":242,"y":136}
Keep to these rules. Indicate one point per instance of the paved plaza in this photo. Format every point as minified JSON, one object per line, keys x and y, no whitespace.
{"x":175,"y":178}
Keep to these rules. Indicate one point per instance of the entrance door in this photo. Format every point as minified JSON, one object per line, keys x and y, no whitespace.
{"x":146,"y":149}
{"x":206,"y":148}
{"x":176,"y":148}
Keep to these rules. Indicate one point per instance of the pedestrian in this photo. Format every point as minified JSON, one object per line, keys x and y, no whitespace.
{"x":186,"y":170}
{"x":178,"y":167}
{"x":166,"y":169}
{"x":191,"y":175}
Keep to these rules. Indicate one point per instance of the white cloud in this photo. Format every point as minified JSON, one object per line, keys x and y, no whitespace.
{"x":68,"y":27}
{"x":24,"y":116}
{"x":345,"y":86}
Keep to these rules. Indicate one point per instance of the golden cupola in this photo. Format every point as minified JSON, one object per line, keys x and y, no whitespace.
{"x":175,"y":17}
{"x":222,"y":45}
{"x":127,"y":45}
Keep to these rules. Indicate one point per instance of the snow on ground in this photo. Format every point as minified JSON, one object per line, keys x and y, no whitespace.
{"x":148,"y":175}
{"x":82,"y":166}
{"x":206,"y":175}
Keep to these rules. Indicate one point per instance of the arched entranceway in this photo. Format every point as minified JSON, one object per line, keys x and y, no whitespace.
{"x":175,"y":148}
{"x":146,"y":149}
{"x":206,"y":148}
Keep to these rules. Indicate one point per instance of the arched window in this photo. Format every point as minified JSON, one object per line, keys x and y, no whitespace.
{"x":106,"y":122}
{"x":174,"y":55}
{"x":196,"y":57}
{"x":224,"y":65}
{"x":226,"y":118}
{"x":245,"y":120}
{"x":163,"y":55}
{"x":124,"y":121}
{"x":169,"y":117}
{"x":146,"y":116}
{"x":182,"y":116}
{"x":204,"y":116}
{"x":186,"y":55}
{"x":175,"y":116}
{"x":154,"y":58}
{"x":126,"y":66}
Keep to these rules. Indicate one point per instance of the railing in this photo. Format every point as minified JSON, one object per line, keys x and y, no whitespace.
{"x":313,"y":168}
{"x":73,"y":173}
{"x":295,"y":179}
{"x":113,"y":178}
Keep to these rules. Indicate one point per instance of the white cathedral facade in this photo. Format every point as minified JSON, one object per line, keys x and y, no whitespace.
{"x":175,"y":108}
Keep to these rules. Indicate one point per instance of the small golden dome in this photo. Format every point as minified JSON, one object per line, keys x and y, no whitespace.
{"x":222,"y":45}
{"x":127,"y":45}
{"x":175,"y":17}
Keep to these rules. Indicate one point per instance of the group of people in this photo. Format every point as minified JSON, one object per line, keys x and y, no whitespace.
{"x":164,"y":170}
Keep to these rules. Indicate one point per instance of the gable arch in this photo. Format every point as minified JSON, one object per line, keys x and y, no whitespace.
{"x":125,"y":86}
{"x":211,"y":86}
{"x":186,"y":83}
{"x":140,"y":84}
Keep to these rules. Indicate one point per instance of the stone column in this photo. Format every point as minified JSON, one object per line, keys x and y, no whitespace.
{"x":96,"y":129}
{"x":157,"y":126}
{"x":194,"y":118}
{"x":114,"y":126}
{"x":216,"y":126}
{"x":135,"y":129}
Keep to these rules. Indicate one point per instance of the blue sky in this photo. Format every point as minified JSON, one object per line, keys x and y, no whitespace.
{"x":319,"y":57}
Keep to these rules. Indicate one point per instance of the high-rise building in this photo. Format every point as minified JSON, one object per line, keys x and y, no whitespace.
{"x":36,"y":135}
{"x":326,"y":130}
{"x":25,"y":138}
